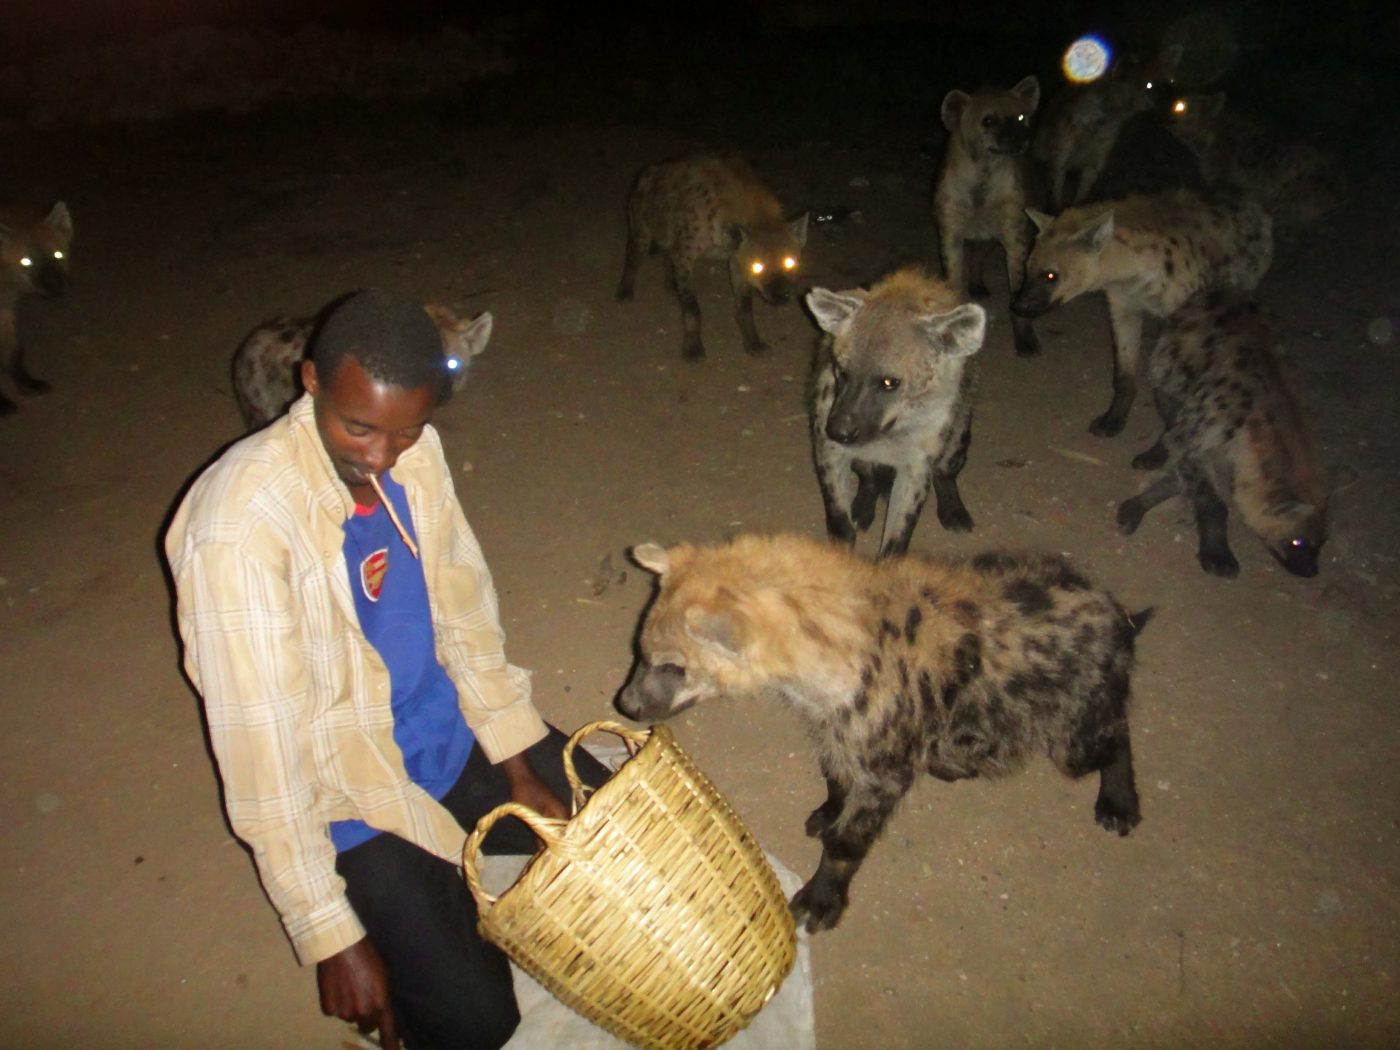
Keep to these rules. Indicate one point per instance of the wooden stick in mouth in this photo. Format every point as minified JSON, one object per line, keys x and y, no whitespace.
{"x":393,"y":516}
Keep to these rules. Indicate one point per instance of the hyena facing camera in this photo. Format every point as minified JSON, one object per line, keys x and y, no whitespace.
{"x":1148,"y":254}
{"x":981,"y":192}
{"x":713,"y":208}
{"x":892,"y":405}
{"x":1234,"y":429}
{"x":266,"y":374}
{"x":898,"y":667}
{"x":33,"y":261}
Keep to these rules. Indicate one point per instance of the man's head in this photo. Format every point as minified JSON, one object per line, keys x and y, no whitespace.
{"x":375,"y":374}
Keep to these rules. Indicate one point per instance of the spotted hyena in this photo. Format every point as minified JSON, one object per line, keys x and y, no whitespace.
{"x":33,"y":261}
{"x":898,"y":666}
{"x":713,"y":208}
{"x":1234,"y":429}
{"x":981,"y":191}
{"x":1083,"y":122}
{"x":266,"y":372}
{"x":1148,"y":254}
{"x":1296,"y":182}
{"x":892,"y":403}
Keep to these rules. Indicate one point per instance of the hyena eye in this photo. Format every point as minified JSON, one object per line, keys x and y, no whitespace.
{"x":1020,"y":118}
{"x":1179,"y":107}
{"x":989,"y":122}
{"x":756,"y":267}
{"x":789,"y":262}
{"x":26,"y":261}
{"x":1049,"y":277}
{"x":58,"y":255}
{"x":889,"y":384}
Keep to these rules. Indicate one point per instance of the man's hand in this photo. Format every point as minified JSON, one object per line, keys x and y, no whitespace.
{"x":354,"y":986}
{"x":529,"y":790}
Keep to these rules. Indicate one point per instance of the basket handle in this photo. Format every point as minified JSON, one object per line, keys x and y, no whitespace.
{"x":547,"y":828}
{"x":632,"y":738}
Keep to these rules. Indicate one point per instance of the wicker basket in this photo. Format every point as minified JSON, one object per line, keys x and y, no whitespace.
{"x":652,"y":912}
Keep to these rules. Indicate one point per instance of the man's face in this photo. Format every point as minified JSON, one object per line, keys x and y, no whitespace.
{"x":365,"y":425}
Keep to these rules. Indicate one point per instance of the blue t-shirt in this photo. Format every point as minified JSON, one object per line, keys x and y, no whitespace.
{"x":391,"y":600}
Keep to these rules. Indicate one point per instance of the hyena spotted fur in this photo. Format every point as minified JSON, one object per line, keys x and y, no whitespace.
{"x":713,"y":208}
{"x":266,"y":372}
{"x":33,"y":262}
{"x":1234,"y":429}
{"x":898,"y":666}
{"x":1296,"y":182}
{"x":1148,"y":254}
{"x":981,"y":192}
{"x":1082,"y":122}
{"x":892,"y":403}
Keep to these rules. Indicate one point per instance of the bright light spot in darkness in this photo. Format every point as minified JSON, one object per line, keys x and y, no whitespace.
{"x":453,"y":364}
{"x":1085,"y":59}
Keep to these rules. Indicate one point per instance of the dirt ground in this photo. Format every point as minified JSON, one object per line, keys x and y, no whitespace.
{"x":1257,"y":903}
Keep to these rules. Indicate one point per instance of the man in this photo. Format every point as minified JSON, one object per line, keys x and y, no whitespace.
{"x":360,"y":706}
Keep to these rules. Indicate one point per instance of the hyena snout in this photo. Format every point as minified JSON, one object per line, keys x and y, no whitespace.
{"x":1299,"y":557}
{"x":653,"y":693}
{"x":1032,"y":300}
{"x":1011,"y":137}
{"x":777,"y":291}
{"x":854,"y":417}
{"x":50,"y":280}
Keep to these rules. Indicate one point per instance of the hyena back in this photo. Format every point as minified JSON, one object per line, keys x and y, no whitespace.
{"x":266,"y":372}
{"x":892,"y":404}
{"x":981,"y":192}
{"x":1148,"y":254}
{"x":713,"y":208}
{"x":1234,"y":429}
{"x":897,"y":666}
{"x":33,"y":261}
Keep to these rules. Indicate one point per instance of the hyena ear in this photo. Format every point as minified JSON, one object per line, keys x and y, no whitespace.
{"x":958,"y":333}
{"x":1041,"y":220}
{"x":1212,"y":105}
{"x":952,"y":109}
{"x":1028,"y":91}
{"x":472,"y":339}
{"x":716,"y":631}
{"x":1168,"y":59}
{"x":652,"y":557}
{"x":1098,"y":233}
{"x":60,"y":221}
{"x":832,"y":309}
{"x":798,"y":227}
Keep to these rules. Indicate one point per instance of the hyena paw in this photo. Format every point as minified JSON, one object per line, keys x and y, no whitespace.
{"x":817,"y":822}
{"x":1129,"y":516}
{"x":7,"y":407}
{"x":956,"y":520}
{"x":1219,"y":563}
{"x":29,"y":385}
{"x":1027,"y":345}
{"x":1107,"y":425}
{"x":1154,"y":458}
{"x":758,"y":346}
{"x":821,"y":906}
{"x":979,"y":290}
{"x":1117,"y":817}
{"x":624,"y":293}
{"x":693,"y":349}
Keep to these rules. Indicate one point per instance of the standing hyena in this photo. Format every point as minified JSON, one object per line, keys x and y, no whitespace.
{"x":892,"y":406}
{"x":33,"y":261}
{"x":266,"y":366}
{"x":1148,"y":254}
{"x":709,"y":207}
{"x":1233,"y":427}
{"x":981,"y":192}
{"x":898,"y":666}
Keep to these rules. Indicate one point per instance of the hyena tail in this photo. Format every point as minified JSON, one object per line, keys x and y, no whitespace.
{"x":1138,"y":620}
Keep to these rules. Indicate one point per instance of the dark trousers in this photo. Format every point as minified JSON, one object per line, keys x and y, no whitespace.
{"x":451,"y":990}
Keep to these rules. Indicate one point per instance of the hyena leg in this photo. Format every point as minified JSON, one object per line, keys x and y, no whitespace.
{"x":977,"y":270}
{"x":1214,"y":551}
{"x":1131,"y":511}
{"x":871,"y":480}
{"x":633,"y":258}
{"x":743,"y":312}
{"x":952,"y":515}
{"x":1107,"y":750}
{"x":1013,"y":242}
{"x":9,"y":354}
{"x":825,"y":815}
{"x":907,"y":496}
{"x":844,"y":846}
{"x":1153,"y":458}
{"x":951,"y":249}
{"x":1126,"y":321}
{"x":840,"y":491}
{"x":691,"y":347}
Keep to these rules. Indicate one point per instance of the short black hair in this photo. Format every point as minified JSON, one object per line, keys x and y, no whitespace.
{"x":393,"y":339}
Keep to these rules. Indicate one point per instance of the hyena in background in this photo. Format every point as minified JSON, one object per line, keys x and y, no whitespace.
{"x":899,"y":667}
{"x":892,"y":405}
{"x":1083,"y":122}
{"x":266,"y":373}
{"x":33,"y":261}
{"x":981,"y":192}
{"x":1296,"y":182}
{"x":1233,"y":429}
{"x":713,"y":208}
{"x":1148,"y":254}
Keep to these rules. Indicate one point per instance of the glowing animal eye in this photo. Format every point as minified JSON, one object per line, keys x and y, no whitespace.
{"x":1050,"y":276}
{"x":1179,"y":108}
{"x":58,"y":255}
{"x":889,"y":383}
{"x":1298,"y":544}
{"x":1020,"y":118}
{"x":756,"y":267}
{"x":26,"y":261}
{"x":453,"y":364}
{"x":1149,"y":85}
{"x":789,"y":262}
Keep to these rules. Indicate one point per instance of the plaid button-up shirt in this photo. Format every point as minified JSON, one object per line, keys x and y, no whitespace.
{"x":297,"y":700}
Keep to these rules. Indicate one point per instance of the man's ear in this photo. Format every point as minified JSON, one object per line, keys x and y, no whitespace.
{"x":309,"y":382}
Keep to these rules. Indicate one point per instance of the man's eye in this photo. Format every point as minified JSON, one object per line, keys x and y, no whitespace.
{"x":356,"y":430}
{"x":889,"y":383}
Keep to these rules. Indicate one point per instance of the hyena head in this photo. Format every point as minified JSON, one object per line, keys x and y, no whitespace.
{"x":1064,"y":262}
{"x":769,"y":255}
{"x":894,"y":349}
{"x":1195,"y":120}
{"x":1292,"y":529}
{"x":462,"y":340}
{"x":695,"y":640}
{"x":993,"y":121}
{"x":34,"y":255}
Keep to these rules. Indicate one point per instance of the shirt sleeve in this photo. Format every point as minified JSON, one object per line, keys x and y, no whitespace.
{"x":239,"y":625}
